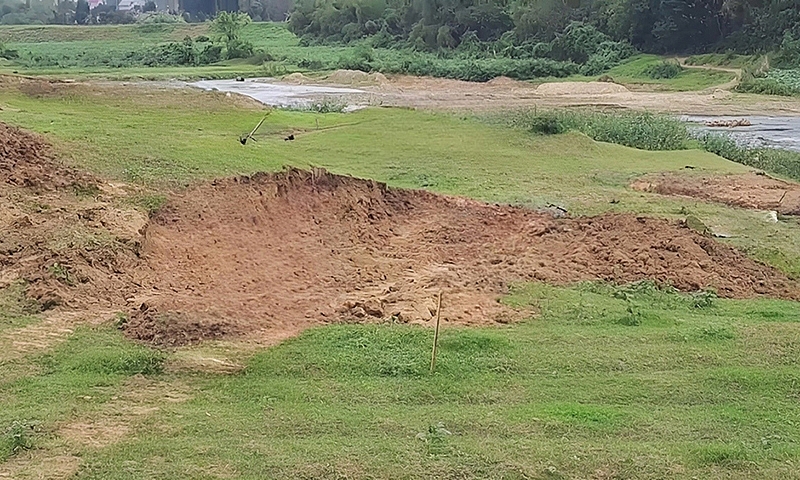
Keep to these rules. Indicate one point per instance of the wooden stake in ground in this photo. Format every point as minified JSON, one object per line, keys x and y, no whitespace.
{"x":243,"y":140}
{"x":436,"y":331}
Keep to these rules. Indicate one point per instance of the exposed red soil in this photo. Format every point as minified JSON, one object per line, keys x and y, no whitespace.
{"x":74,"y":250}
{"x":25,"y":160}
{"x":746,"y":190}
{"x":273,"y":253}
{"x":269,"y":255}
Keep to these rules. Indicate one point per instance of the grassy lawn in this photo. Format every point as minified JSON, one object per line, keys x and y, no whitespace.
{"x":604,"y":382}
{"x":623,"y":382}
{"x":633,"y":73}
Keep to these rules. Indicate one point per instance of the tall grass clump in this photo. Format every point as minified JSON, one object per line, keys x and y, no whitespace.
{"x":641,"y":130}
{"x":781,"y":162}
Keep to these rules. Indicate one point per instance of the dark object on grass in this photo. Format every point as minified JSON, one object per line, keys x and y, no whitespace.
{"x":243,"y":140}
{"x":614,"y":201}
{"x":289,"y":138}
{"x":240,"y":79}
{"x":689,"y":167}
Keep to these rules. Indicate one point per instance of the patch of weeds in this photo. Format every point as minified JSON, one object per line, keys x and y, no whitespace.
{"x":720,"y":454}
{"x":705,"y":333}
{"x":663,"y":70}
{"x":716,"y":332}
{"x":14,"y":302}
{"x":16,"y":438}
{"x":703,"y":299}
{"x":150,"y":203}
{"x":325,"y":106}
{"x":120,"y":319}
{"x":435,"y":439}
{"x":633,"y":317}
{"x":644,"y":131}
{"x":86,"y":190}
{"x":467,"y":341}
{"x":61,"y":273}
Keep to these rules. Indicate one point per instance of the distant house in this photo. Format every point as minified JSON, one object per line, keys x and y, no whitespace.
{"x":130,"y":5}
{"x":95,"y":3}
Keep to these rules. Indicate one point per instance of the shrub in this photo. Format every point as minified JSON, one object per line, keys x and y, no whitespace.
{"x":663,"y":70}
{"x":8,"y":53}
{"x":547,"y":124}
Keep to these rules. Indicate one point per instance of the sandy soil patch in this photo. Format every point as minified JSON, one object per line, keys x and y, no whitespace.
{"x":749,"y":190}
{"x":580,"y":88}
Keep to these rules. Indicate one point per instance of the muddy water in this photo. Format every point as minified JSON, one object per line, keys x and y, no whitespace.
{"x":285,"y":95}
{"x":776,"y":132}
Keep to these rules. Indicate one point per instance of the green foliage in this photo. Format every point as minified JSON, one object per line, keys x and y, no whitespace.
{"x":8,"y":53}
{"x":229,"y":27}
{"x":88,"y":353}
{"x":16,"y":438}
{"x":645,"y":131}
{"x":663,"y":70}
{"x":774,"y":82}
{"x":781,"y":162}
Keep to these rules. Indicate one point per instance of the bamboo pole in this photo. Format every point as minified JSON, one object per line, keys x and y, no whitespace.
{"x":436,"y":331}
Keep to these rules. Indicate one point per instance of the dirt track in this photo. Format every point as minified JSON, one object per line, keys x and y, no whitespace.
{"x":269,"y":255}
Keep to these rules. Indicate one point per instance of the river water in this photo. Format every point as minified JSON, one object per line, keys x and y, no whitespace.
{"x":281,"y":95}
{"x":775,"y":132}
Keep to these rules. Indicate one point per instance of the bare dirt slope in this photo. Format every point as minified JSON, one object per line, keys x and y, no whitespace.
{"x":269,"y":255}
{"x":749,"y":190}
{"x":274,"y":253}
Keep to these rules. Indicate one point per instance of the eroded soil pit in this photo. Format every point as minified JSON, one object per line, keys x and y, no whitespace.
{"x":272,"y":253}
{"x":749,"y":190}
{"x":265,"y":256}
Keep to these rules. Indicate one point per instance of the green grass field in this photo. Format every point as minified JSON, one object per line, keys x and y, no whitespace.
{"x":633,"y":73}
{"x":101,"y":52}
{"x":604,"y":382}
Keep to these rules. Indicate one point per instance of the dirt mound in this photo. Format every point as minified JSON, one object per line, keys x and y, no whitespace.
{"x":748,"y":190}
{"x":506,"y":82}
{"x":580,"y":88}
{"x":356,"y":77}
{"x":25,"y":161}
{"x":295,"y":78}
{"x":70,"y":246}
{"x":276,"y":253}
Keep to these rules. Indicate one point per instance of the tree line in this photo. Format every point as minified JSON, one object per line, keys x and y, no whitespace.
{"x":657,"y":26}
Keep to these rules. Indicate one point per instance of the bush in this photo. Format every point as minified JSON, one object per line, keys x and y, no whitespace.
{"x":548,"y":123}
{"x":16,"y":438}
{"x":663,"y":70}
{"x":7,"y":53}
{"x":239,"y":49}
